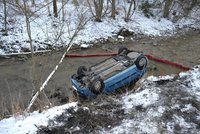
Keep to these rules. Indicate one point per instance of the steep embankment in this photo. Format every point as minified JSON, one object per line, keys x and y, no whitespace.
{"x":166,"y":104}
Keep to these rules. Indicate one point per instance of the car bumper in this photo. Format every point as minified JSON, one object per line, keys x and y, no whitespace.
{"x":80,"y":89}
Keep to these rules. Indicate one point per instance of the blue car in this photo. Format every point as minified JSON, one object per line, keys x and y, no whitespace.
{"x":107,"y":76}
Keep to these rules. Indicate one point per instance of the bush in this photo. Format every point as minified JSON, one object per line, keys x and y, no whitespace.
{"x":145,"y":7}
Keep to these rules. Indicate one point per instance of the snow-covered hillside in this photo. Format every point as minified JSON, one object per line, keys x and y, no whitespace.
{"x":168,"y":104}
{"x":49,"y":32}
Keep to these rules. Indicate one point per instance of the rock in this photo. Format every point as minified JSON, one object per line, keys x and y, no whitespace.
{"x":120,"y":37}
{"x":25,"y":49}
{"x":124,"y":32}
{"x":112,"y":40}
{"x":155,"y":44}
{"x":85,"y":45}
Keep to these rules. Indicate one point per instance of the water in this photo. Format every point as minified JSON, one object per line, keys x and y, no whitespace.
{"x":15,"y":76}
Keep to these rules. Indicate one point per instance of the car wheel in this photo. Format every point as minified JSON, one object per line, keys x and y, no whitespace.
{"x":141,"y":62}
{"x":81,"y":70}
{"x":97,"y":85}
{"x":123,"y":51}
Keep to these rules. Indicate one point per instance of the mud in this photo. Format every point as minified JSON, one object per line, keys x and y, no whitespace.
{"x":17,"y":87}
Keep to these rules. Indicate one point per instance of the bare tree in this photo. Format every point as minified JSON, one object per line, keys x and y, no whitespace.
{"x":75,"y":2}
{"x":131,"y":9}
{"x":48,"y":8}
{"x":33,"y":2}
{"x":5,"y":18}
{"x":167,"y":7}
{"x":27,"y":15}
{"x":63,"y":11}
{"x":17,"y":2}
{"x":113,"y":11}
{"x":55,"y":9}
{"x":189,"y":6}
{"x":79,"y":26}
{"x":28,"y":25}
{"x":98,"y":4}
{"x":63,"y":2}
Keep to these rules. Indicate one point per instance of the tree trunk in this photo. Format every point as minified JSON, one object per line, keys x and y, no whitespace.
{"x":17,"y":2}
{"x":33,"y":2}
{"x":166,"y":9}
{"x":5,"y":18}
{"x":63,"y":11}
{"x":131,"y":9}
{"x":75,"y":2}
{"x":190,"y":7}
{"x":55,"y":9}
{"x":28,"y":28}
{"x":98,"y":9}
{"x":113,"y":9}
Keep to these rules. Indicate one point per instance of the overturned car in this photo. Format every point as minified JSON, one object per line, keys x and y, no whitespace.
{"x":107,"y":76}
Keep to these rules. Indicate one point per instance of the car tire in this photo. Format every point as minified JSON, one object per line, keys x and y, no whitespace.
{"x":123,"y":51}
{"x":97,"y":86}
{"x":81,"y":71}
{"x":141,"y":62}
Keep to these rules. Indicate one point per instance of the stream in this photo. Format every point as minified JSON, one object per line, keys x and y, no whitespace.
{"x":15,"y":76}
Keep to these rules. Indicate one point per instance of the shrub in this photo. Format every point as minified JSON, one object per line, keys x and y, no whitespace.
{"x":145,"y":7}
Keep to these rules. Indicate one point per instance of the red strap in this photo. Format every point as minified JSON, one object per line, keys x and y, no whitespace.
{"x":167,"y":62}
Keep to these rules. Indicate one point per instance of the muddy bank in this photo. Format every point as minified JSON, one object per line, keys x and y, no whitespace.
{"x":17,"y":87}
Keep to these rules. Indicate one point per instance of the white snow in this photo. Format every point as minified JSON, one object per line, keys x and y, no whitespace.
{"x":154,"y":78}
{"x":49,"y":31}
{"x":148,"y":121}
{"x":143,"y":122}
{"x":28,"y":124}
{"x":195,"y":76}
{"x":144,"y":98}
{"x":192,"y":20}
{"x":193,"y":80}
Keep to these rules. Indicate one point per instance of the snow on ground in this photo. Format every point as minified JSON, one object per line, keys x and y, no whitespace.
{"x":146,"y":97}
{"x":192,"y":21}
{"x":168,"y":107}
{"x":193,"y":81}
{"x":166,"y":104}
{"x":154,"y":78}
{"x":28,"y":124}
{"x":48,"y":32}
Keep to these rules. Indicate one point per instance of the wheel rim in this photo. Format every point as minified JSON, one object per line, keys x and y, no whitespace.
{"x":97,"y":86}
{"x":142,"y":62}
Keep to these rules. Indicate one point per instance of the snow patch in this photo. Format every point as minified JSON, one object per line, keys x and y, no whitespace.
{"x":48,"y":31}
{"x":192,"y":78}
{"x":154,"y":114}
{"x":144,"y":98}
{"x":154,"y":78}
{"x":24,"y":125}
